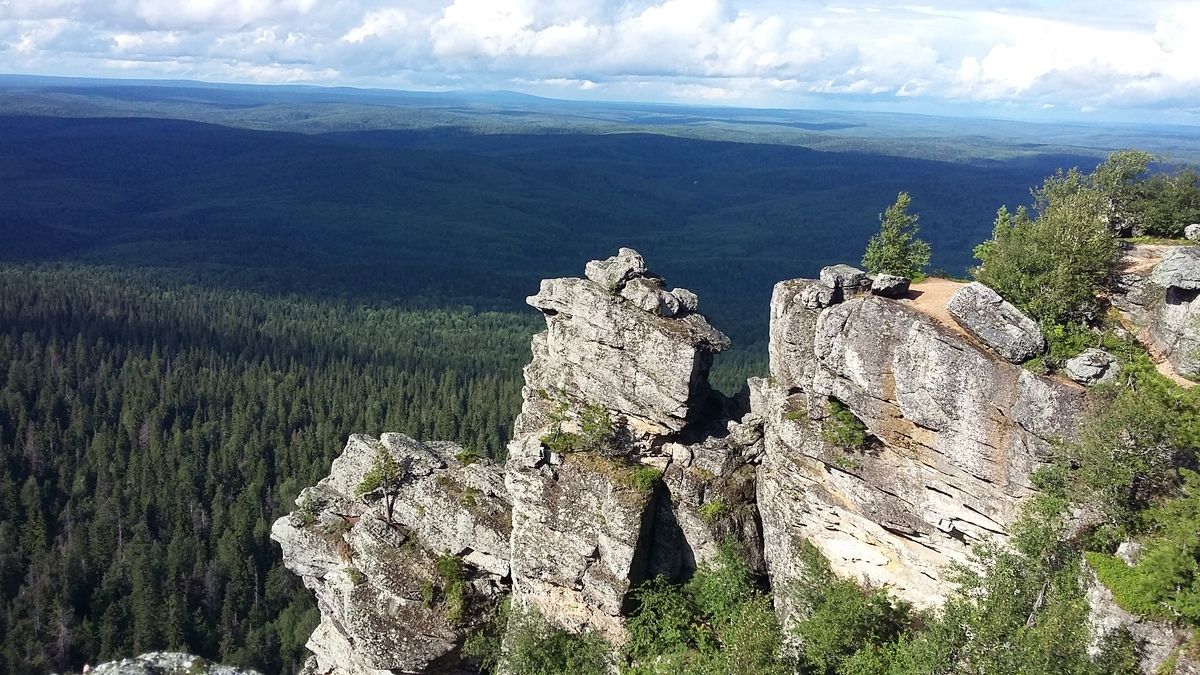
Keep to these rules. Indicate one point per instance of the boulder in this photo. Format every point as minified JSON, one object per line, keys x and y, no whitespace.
{"x":846,"y":281}
{"x":1093,"y":366}
{"x":996,"y":323}
{"x":612,"y":273}
{"x":1179,"y":268}
{"x":1192,"y":232}
{"x":688,"y":301}
{"x":889,"y":285}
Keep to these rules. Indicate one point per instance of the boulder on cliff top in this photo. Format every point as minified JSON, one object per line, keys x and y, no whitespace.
{"x":1192,"y":232}
{"x":612,"y":273}
{"x":1180,"y":268}
{"x":889,"y":285}
{"x":846,"y":281}
{"x":996,"y":323}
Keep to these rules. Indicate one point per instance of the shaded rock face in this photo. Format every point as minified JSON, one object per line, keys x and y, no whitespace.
{"x":373,"y":575}
{"x":996,"y":323}
{"x":954,"y":432}
{"x":166,"y":663}
{"x":1165,"y":304}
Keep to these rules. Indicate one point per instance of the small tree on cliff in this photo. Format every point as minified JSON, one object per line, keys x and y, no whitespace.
{"x":386,"y":476}
{"x":895,"y":249}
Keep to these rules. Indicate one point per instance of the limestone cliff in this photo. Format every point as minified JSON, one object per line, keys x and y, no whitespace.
{"x":624,"y":464}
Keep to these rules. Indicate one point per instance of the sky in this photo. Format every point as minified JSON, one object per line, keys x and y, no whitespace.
{"x":1136,"y":60}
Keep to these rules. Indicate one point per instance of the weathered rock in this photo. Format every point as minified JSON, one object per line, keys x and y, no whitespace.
{"x":889,"y":285}
{"x":996,"y":323}
{"x":1093,"y":366}
{"x":580,"y":535}
{"x":1179,"y":269}
{"x":600,"y":349}
{"x":688,"y":301}
{"x":846,"y":281}
{"x":166,"y":663}
{"x":1192,"y":232}
{"x":1166,"y":304}
{"x":372,"y":571}
{"x":612,"y":273}
{"x":954,"y":434}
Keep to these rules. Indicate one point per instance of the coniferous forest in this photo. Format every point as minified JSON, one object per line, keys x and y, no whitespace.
{"x":150,"y":434}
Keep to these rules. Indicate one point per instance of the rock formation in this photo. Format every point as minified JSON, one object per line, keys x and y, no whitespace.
{"x":954,"y":431}
{"x":1163,"y":301}
{"x":890,"y":437}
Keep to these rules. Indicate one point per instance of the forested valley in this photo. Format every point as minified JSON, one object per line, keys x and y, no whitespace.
{"x":150,"y":434}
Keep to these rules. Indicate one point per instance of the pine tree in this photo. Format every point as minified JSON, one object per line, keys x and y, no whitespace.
{"x":896,"y":249}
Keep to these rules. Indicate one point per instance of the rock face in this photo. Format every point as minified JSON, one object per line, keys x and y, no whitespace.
{"x":165,"y":663}
{"x":1192,"y":232}
{"x":624,"y":465}
{"x":954,"y":432}
{"x":375,"y":576}
{"x":1160,"y":642}
{"x":1165,"y":305}
{"x":996,"y":323}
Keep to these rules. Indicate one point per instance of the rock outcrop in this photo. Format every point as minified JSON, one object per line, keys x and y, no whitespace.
{"x":1093,"y":366}
{"x":625,"y":465}
{"x":954,"y":432}
{"x":384,"y":604}
{"x":1164,"y":303}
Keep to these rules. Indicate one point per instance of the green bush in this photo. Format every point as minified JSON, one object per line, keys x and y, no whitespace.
{"x":644,"y":478}
{"x":483,"y":647}
{"x":454,"y":588}
{"x":537,"y":648}
{"x":841,"y":428}
{"x":716,"y":623}
{"x":895,"y":249}
{"x":714,"y":510}
{"x":596,"y":428}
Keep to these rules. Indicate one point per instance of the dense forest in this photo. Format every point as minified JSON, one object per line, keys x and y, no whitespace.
{"x":149,"y":435}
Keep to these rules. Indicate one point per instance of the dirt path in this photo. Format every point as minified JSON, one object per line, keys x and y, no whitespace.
{"x":1142,"y":258}
{"x":930,"y":297}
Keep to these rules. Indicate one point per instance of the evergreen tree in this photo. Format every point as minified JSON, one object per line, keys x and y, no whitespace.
{"x":895,"y":249}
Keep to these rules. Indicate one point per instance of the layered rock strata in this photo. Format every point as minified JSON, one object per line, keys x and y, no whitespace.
{"x":953,"y":431}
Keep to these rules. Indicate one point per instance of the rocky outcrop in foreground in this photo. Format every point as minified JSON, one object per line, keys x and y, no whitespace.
{"x":891,"y":437}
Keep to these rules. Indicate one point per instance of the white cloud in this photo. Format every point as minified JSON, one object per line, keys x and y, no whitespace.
{"x":1069,"y":54}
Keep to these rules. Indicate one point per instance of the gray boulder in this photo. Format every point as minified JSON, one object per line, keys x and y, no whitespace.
{"x":889,"y":285}
{"x":846,"y":281}
{"x":1180,"y":268}
{"x":996,"y":323}
{"x":1192,"y":232}
{"x":688,"y":301}
{"x":612,"y":273}
{"x":1093,"y":366}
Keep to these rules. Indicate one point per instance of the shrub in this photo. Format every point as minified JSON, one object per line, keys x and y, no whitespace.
{"x":1052,"y":265}
{"x":454,"y":588}
{"x":895,"y":249}
{"x":483,"y":646}
{"x":644,"y":478}
{"x":714,"y":510}
{"x":596,"y":428}
{"x":356,"y":577}
{"x":537,"y":648}
{"x":842,"y":429}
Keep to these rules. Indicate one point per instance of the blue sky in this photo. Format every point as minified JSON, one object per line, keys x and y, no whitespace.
{"x":1136,"y":61}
